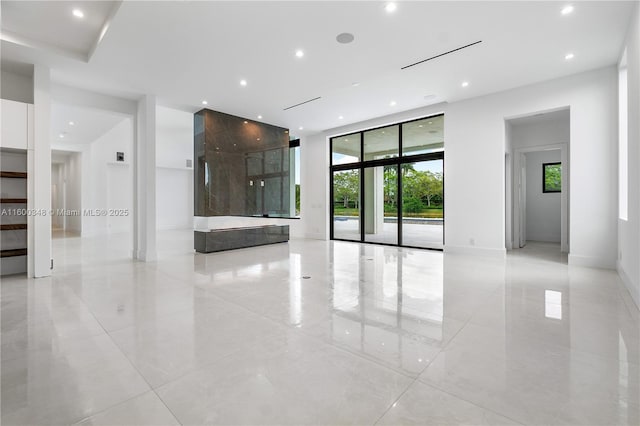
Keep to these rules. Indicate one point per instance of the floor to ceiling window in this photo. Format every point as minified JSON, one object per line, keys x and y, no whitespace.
{"x":387,"y":184}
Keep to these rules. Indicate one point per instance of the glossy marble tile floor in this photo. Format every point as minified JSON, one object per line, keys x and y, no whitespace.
{"x":316,"y":332}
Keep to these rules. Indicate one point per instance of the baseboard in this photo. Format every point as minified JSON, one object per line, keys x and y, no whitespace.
{"x":476,"y":251}
{"x":591,"y":262}
{"x":634,"y":290}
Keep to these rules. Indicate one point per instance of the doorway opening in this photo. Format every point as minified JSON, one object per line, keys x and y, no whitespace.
{"x":537,"y":186}
{"x":92,"y":182}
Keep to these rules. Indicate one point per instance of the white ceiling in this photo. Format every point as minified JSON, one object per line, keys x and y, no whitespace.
{"x":50,"y":25}
{"x":88,"y":125}
{"x":184,"y":52}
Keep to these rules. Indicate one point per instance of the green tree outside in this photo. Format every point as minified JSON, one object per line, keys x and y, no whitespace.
{"x":422,"y":192}
{"x":552,"y":177}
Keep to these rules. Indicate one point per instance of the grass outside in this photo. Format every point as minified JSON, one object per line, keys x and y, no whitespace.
{"x":428,"y":213}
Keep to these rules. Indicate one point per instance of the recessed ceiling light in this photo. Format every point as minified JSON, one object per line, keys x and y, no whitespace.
{"x":340,"y":118}
{"x":258,"y":139}
{"x":78,"y":13}
{"x":300,"y":128}
{"x":431,"y":122}
{"x":392,"y":103}
{"x":465,"y":83}
{"x":243,"y":82}
{"x":246,"y":122}
{"x":390,"y":7}
{"x":567,"y":10}
{"x":346,"y":140}
{"x":345,"y":38}
{"x":569,"y":56}
{"x":299,"y":53}
{"x":204,"y":102}
{"x":420,"y":125}
{"x":71,"y":123}
{"x":259,"y":117}
{"x":61,"y":135}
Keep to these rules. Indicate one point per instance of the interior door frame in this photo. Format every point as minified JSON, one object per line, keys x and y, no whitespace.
{"x":518,"y":209}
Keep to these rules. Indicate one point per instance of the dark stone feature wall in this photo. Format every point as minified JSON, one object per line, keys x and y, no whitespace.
{"x":241,"y":167}
{"x":234,"y":238}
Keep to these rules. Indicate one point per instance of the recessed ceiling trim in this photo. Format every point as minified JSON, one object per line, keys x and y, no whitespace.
{"x":442,"y":54}
{"x":19,"y":40}
{"x":302,"y":103}
{"x":104,"y":29}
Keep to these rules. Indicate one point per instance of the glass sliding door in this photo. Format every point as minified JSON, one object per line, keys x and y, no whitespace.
{"x":381,"y":204}
{"x":346,"y":204}
{"x":422,"y":223}
{"x":387,"y":184}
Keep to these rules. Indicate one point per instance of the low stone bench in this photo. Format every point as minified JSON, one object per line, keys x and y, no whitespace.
{"x":234,"y":238}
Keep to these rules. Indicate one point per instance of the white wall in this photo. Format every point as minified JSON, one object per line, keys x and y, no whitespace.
{"x":16,"y":87}
{"x":475,"y":149}
{"x":73,"y":200}
{"x":57,"y":197}
{"x":629,"y":230}
{"x":107,"y":184}
{"x":65,"y":175}
{"x":475,"y":141}
{"x":174,"y":180}
{"x":174,"y":201}
{"x":39,"y":181}
{"x":543,"y":209}
{"x":546,"y":132}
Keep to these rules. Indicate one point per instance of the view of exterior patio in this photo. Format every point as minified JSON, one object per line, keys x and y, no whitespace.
{"x":373,"y":202}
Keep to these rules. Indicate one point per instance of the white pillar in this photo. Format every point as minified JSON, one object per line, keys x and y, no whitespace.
{"x":374,"y":196}
{"x":41,"y":173}
{"x":369,"y":206}
{"x":144,"y":241}
{"x":292,"y":182}
{"x":379,"y":199}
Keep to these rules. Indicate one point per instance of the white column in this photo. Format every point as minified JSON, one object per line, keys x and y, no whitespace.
{"x":144,"y":241}
{"x":369,"y":206}
{"x":379,"y":199}
{"x":40,"y":176}
{"x":292,"y":182}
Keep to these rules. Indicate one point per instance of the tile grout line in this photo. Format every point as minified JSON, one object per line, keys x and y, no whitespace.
{"x":395,"y":401}
{"x":416,"y":379}
{"x":108,"y":408}
{"x":130,"y":363}
{"x":470,"y":402}
{"x":165,"y":404}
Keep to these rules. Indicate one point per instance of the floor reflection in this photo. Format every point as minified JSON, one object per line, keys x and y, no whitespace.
{"x":405,"y":335}
{"x":397,"y":317}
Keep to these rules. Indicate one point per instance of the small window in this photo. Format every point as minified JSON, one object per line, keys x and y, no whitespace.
{"x":551,"y":177}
